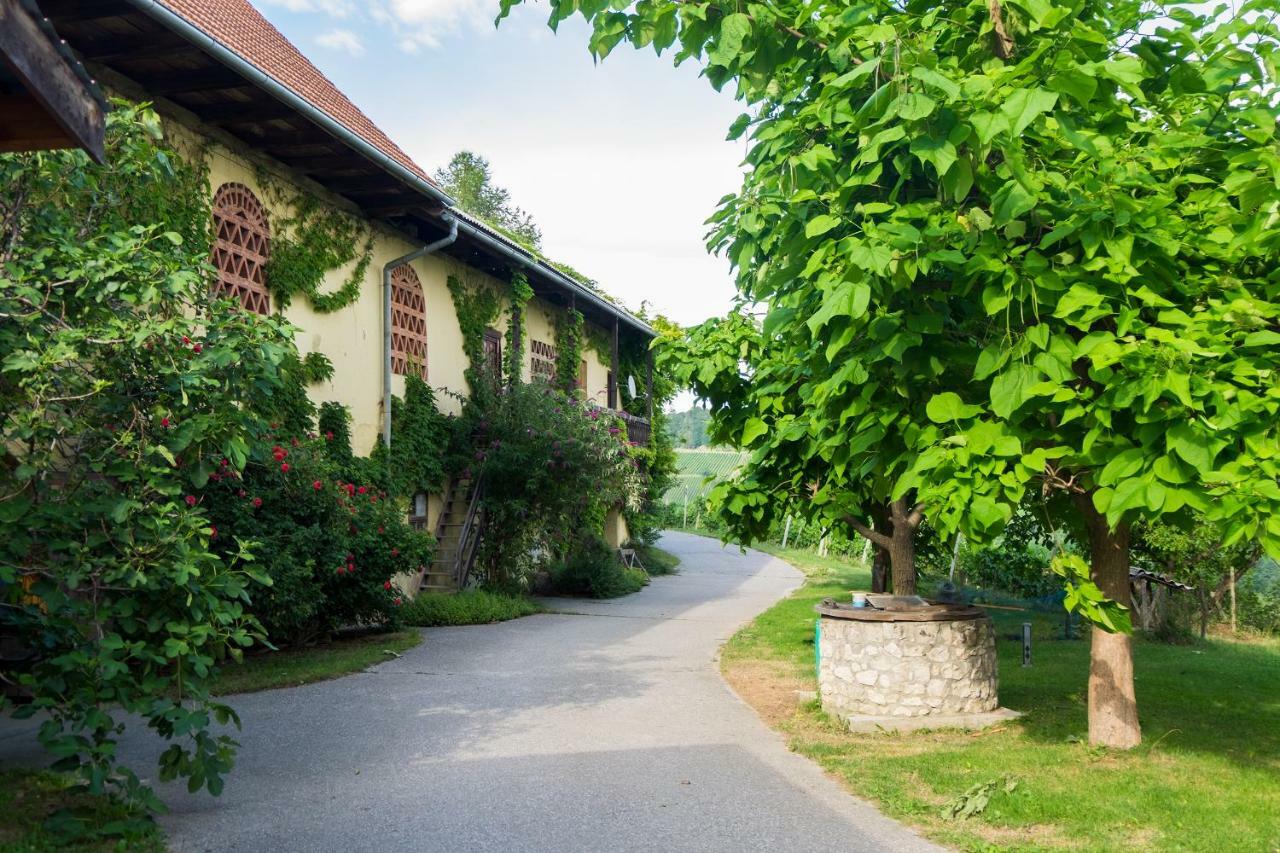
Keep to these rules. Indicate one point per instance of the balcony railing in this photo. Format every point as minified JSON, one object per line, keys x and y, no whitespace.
{"x":637,"y":427}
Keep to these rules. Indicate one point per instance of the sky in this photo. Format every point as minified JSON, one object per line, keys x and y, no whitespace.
{"x":620,"y":162}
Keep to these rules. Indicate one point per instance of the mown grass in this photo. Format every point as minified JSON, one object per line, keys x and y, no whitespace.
{"x":292,"y":667}
{"x":469,"y":607}
{"x":1206,"y":777}
{"x":39,"y":813}
{"x":657,"y":561}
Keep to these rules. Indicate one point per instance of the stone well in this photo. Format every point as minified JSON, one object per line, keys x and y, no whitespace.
{"x":921,"y":665}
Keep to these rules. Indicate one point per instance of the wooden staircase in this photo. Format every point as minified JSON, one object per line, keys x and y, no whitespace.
{"x":457,"y":535}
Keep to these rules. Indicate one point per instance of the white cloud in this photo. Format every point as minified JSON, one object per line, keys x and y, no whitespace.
{"x":333,"y":8}
{"x":343,"y":40}
{"x":423,"y":23}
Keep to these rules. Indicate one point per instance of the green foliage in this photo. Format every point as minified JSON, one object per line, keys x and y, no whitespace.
{"x":594,"y":570}
{"x":468,"y":607}
{"x":120,"y":379}
{"x":568,"y":349}
{"x":513,"y":358}
{"x":477,"y":308}
{"x":552,"y":467}
{"x":998,"y":252}
{"x":468,"y":181}
{"x":311,"y":242}
{"x":330,"y":546}
{"x":422,"y":435}
{"x":1084,"y":596}
{"x":44,"y":813}
{"x":334,"y":424}
{"x":293,"y":413}
{"x":345,"y":653}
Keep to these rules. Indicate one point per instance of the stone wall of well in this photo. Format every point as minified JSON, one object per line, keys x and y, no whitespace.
{"x":907,"y":669}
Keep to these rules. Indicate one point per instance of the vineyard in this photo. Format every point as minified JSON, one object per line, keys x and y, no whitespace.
{"x":699,"y":470}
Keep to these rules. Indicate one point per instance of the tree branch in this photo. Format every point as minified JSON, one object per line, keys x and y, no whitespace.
{"x":916,"y":516}
{"x":1004,"y":42}
{"x":867,"y":533}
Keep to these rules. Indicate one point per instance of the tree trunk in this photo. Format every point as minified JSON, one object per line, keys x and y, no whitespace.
{"x":880,"y":570}
{"x":902,"y":560}
{"x":1113,"y":703}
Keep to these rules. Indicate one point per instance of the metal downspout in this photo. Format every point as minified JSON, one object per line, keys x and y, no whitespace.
{"x":281,"y":92}
{"x":386,"y":316}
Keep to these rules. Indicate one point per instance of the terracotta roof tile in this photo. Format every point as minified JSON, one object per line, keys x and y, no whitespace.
{"x":240,"y":27}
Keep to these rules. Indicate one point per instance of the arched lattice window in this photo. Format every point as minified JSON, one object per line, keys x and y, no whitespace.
{"x":241,"y":246}
{"x":408,"y":323}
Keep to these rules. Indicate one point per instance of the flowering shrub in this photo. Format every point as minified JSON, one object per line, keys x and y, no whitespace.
{"x":330,"y":545}
{"x":119,"y":377}
{"x":552,"y":467}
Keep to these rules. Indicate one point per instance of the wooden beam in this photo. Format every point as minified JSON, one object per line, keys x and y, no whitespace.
{"x":54,"y":87}
{"x":327,"y":163}
{"x":117,"y":50}
{"x":375,"y":184}
{"x":76,"y":11}
{"x":200,"y":80}
{"x":240,"y":112}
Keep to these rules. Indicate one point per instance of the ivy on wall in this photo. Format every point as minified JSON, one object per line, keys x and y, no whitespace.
{"x":477,"y":307}
{"x":513,"y":362}
{"x":569,"y":329}
{"x":310,"y":242}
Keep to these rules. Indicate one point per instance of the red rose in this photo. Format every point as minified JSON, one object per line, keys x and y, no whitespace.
{"x":213,"y":531}
{"x":191,"y":500}
{"x":338,"y":570}
{"x":242,"y":493}
{"x":196,"y":348}
{"x":284,"y":466}
{"x":395,"y":552}
{"x":386,"y":584}
{"x":294,"y":442}
{"x":362,"y":490}
{"x":224,"y":463}
{"x":186,"y":340}
{"x":317,"y":485}
{"x":398,"y":601}
{"x":328,"y":436}
{"x":164,"y":422}
{"x":257,"y":502}
{"x":379,"y":528}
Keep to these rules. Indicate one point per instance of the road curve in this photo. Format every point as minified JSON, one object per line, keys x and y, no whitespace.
{"x":603,"y":728}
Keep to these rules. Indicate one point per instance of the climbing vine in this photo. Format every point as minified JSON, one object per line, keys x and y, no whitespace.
{"x":312,"y":241}
{"x":477,"y":307}
{"x":416,"y":461}
{"x":521,"y":293}
{"x":568,"y":348}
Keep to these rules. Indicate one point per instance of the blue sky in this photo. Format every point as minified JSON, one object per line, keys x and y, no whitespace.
{"x":619,"y":162}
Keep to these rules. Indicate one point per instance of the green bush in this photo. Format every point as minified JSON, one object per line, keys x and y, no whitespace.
{"x":120,"y":377}
{"x":593,"y":570}
{"x":552,"y":467}
{"x":469,"y":607}
{"x":657,"y":561}
{"x":330,"y":546}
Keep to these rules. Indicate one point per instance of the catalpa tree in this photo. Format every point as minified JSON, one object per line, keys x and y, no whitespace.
{"x":1076,"y":203}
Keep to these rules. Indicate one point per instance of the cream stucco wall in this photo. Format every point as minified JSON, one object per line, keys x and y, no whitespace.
{"x":352,"y":337}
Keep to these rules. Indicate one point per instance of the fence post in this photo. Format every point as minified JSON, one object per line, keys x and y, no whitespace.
{"x":786,"y":531}
{"x":685,"y":523}
{"x":1026,"y":644}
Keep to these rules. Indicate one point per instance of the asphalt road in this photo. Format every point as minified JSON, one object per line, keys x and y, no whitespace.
{"x":604,"y":728}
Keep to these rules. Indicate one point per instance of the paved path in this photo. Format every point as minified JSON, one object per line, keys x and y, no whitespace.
{"x":607,"y":730}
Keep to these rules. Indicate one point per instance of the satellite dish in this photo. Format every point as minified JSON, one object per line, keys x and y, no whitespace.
{"x":631,"y":386}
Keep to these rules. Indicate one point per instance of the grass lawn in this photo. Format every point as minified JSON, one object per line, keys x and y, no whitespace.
{"x":1206,"y":777}
{"x":307,"y":664}
{"x":469,"y":607}
{"x":657,"y":561}
{"x":29,"y":797}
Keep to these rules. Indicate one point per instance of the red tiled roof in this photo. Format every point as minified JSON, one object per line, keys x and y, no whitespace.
{"x":240,"y":27}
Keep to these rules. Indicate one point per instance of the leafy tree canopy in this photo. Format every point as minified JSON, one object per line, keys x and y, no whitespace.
{"x":468,"y":180}
{"x":1003,"y":246}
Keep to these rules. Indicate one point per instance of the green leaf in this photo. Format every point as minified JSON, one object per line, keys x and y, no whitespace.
{"x":1010,"y":202}
{"x":733,"y":31}
{"x":932,"y":78}
{"x":913,"y":106}
{"x":949,"y":407}
{"x":820,"y":225}
{"x":849,"y":299}
{"x":1183,"y":440}
{"x":1009,"y":389}
{"x":753,"y":429}
{"x":1026,"y":105}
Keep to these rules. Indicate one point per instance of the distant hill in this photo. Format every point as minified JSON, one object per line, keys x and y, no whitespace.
{"x":689,"y":429}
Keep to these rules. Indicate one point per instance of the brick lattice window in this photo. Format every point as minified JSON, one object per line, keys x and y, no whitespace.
{"x":242,"y":244}
{"x":408,"y":323}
